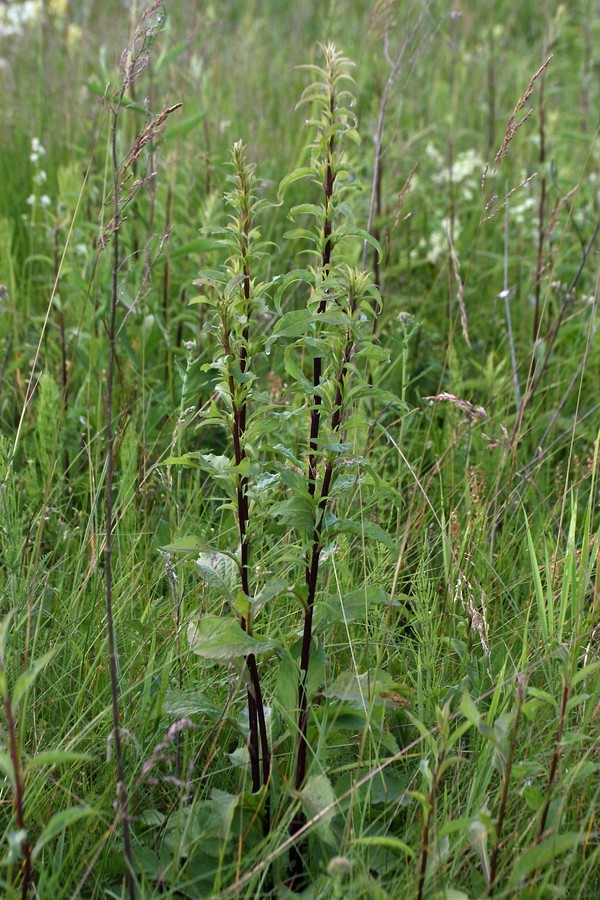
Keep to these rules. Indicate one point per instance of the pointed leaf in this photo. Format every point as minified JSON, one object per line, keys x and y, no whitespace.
{"x":214,"y":637}
{"x":58,"y":823}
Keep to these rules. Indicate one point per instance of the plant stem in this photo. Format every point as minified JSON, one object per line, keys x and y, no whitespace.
{"x":110,"y":465}
{"x":18,"y":797}
{"x":312,"y":558}
{"x":258,"y":744}
{"x":427,"y":824}
{"x":505,"y":786}
{"x":555,"y":758}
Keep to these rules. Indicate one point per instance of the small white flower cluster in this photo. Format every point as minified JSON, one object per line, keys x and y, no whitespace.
{"x":15,"y":17}
{"x":36,"y":150}
{"x":465,"y":170}
{"x":436,"y":247}
{"x":44,"y":200}
{"x":523,"y":210}
{"x":40,"y":177}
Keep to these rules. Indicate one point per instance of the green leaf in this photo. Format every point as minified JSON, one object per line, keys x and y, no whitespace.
{"x":290,"y":325}
{"x":387,"y":842}
{"x":469,"y":709}
{"x":372,"y":688}
{"x":56,"y":758}
{"x":295,"y":372}
{"x":586,"y":672}
{"x":25,"y":680}
{"x":297,"y":512}
{"x":4,"y":627}
{"x":359,"y":602}
{"x":199,"y":245}
{"x":182,"y":128}
{"x":187,"y":461}
{"x":214,"y":579}
{"x":539,"y":856}
{"x":58,"y":823}
{"x":169,"y":55}
{"x":364,"y":529}
{"x":296,"y":175}
{"x":6,"y":767}
{"x":221,"y":639}
{"x":193,"y":544}
{"x":318,"y":798}
{"x":184,"y":704}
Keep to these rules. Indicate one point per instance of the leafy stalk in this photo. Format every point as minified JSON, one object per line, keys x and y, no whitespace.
{"x":237,"y":298}
{"x":242,"y":201}
{"x":342,"y":298}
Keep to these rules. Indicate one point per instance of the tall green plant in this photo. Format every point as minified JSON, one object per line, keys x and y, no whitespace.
{"x":237,"y":298}
{"x":332,"y":335}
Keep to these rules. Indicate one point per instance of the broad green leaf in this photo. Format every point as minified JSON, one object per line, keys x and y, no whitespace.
{"x":359,"y":603}
{"x":541,"y":695}
{"x":187,"y":461}
{"x":363,"y":528}
{"x":193,"y":544}
{"x":214,"y":637}
{"x":58,"y":823}
{"x":297,"y":512}
{"x":183,"y":704}
{"x":539,"y":856}
{"x":220,"y":571}
{"x":318,"y":799}
{"x":295,"y":372}
{"x":372,"y":688}
{"x":469,"y":709}
{"x":289,"y":673}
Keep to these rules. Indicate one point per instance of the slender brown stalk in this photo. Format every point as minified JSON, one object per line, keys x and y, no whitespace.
{"x":258,"y":744}
{"x":505,"y":786}
{"x":541,"y":242}
{"x":18,"y":794}
{"x":110,"y":465}
{"x":555,"y":759}
{"x":427,"y":824}
{"x":312,"y":558}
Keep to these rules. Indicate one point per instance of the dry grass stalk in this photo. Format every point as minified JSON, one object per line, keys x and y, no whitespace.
{"x":460,"y":293}
{"x":473,"y":412}
{"x":513,"y":125}
{"x":506,"y":197}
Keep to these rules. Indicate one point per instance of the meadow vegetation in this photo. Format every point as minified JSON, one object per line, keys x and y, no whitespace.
{"x":299,"y":378}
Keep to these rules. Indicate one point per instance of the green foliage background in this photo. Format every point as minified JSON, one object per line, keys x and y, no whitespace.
{"x":474,"y":557}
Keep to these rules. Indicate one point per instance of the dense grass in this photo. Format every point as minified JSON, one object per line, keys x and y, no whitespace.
{"x":452,"y":728}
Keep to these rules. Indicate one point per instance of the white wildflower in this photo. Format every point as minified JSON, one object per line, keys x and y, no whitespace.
{"x":31,"y":200}
{"x":36,"y":147}
{"x":45,"y":200}
{"x":40,"y":177}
